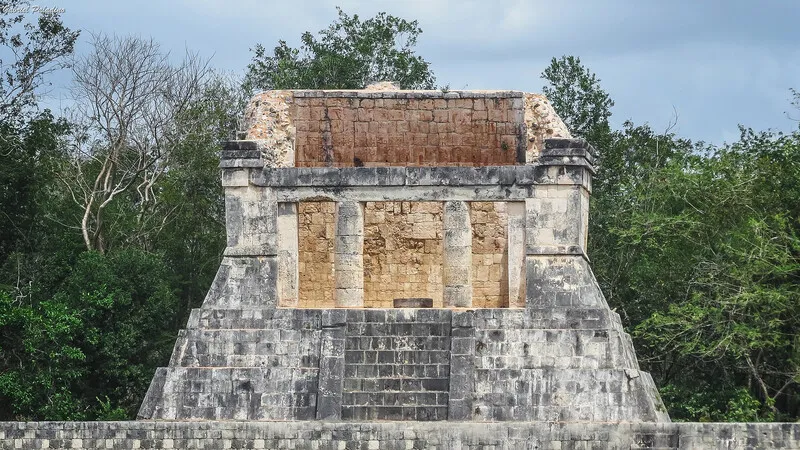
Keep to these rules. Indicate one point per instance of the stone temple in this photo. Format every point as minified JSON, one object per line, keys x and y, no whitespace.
{"x":340,"y":202}
{"x":404,"y":270}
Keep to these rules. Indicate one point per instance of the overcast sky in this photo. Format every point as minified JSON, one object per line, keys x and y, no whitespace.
{"x":718,"y":63}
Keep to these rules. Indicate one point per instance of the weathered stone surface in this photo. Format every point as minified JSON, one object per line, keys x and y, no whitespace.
{"x":413,"y":302}
{"x":349,"y":255}
{"x":516,"y":254}
{"x":457,"y":270}
{"x":563,"y":357}
{"x":251,"y":216}
{"x":288,"y":255}
{"x":380,"y":127}
{"x":541,"y":122}
{"x":244,"y":282}
{"x":268,"y":122}
{"x":398,"y":435}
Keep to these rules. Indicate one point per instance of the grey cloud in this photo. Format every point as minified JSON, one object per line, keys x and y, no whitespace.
{"x":718,"y":62}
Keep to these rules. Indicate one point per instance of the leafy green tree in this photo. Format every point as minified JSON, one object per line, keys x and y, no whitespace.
{"x":736,"y":320}
{"x":697,"y":247}
{"x":30,"y":154}
{"x":28,"y":139}
{"x":37,"y":48}
{"x":349,"y":54}
{"x":577,"y":97}
{"x":90,"y":349}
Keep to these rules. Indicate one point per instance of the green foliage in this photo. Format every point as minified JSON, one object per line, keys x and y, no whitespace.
{"x":37,"y":48}
{"x":703,"y":262}
{"x":29,"y":154}
{"x":702,"y":402}
{"x":578,"y":99}
{"x":101,"y":334}
{"x":349,"y":54}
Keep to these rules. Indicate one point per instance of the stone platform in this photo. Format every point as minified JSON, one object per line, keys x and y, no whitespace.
{"x":564,"y":357}
{"x":309,"y":435}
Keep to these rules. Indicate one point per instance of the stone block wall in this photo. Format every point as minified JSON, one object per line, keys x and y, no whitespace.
{"x":398,"y":435}
{"x":316,"y":232}
{"x":489,"y":254}
{"x":403,"y":253}
{"x":555,"y":361}
{"x":406,"y":131}
{"x":400,"y":128}
{"x":397,"y":365}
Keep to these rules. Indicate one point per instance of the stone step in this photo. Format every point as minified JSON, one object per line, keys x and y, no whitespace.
{"x":491,"y":348}
{"x":247,"y":348}
{"x":291,"y":394}
{"x":255,"y":318}
{"x":295,"y":318}
{"x":246,"y":393}
{"x":566,"y":394}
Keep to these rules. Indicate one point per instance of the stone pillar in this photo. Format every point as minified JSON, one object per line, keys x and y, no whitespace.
{"x":248,"y":273}
{"x":349,"y":255}
{"x":288,"y":236}
{"x":556,"y":223}
{"x":457,"y":255}
{"x":516,"y":254}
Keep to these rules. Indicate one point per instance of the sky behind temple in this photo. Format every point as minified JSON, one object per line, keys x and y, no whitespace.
{"x":717,"y":63}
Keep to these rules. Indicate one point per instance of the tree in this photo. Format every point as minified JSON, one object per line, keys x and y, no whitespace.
{"x":29,"y":140}
{"x":349,"y":54}
{"x":88,"y":348}
{"x":38,"y":50}
{"x":30,"y":155}
{"x":698,"y":249}
{"x":127,"y":101}
{"x":577,"y":97}
{"x":191,"y":197}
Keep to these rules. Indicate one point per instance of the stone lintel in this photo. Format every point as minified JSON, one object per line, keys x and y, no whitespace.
{"x":348,"y":177}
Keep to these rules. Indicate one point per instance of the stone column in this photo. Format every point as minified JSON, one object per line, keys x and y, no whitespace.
{"x":349,"y":255}
{"x":516,"y":254}
{"x":457,"y":255}
{"x":248,"y":273}
{"x":556,"y":222}
{"x":288,"y":236}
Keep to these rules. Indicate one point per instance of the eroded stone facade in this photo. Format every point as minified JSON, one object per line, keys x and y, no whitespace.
{"x":382,"y":126}
{"x":519,"y":330}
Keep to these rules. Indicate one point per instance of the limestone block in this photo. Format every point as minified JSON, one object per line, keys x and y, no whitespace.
{"x":251,"y":221}
{"x":556,"y":223}
{"x":349,"y":219}
{"x":288,"y":254}
{"x":516,"y":254}
{"x":308,"y":435}
{"x":561,"y":281}
{"x":349,"y":297}
{"x":244,"y":282}
{"x":541,"y":122}
{"x":457,"y":296}
{"x":269,"y":122}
